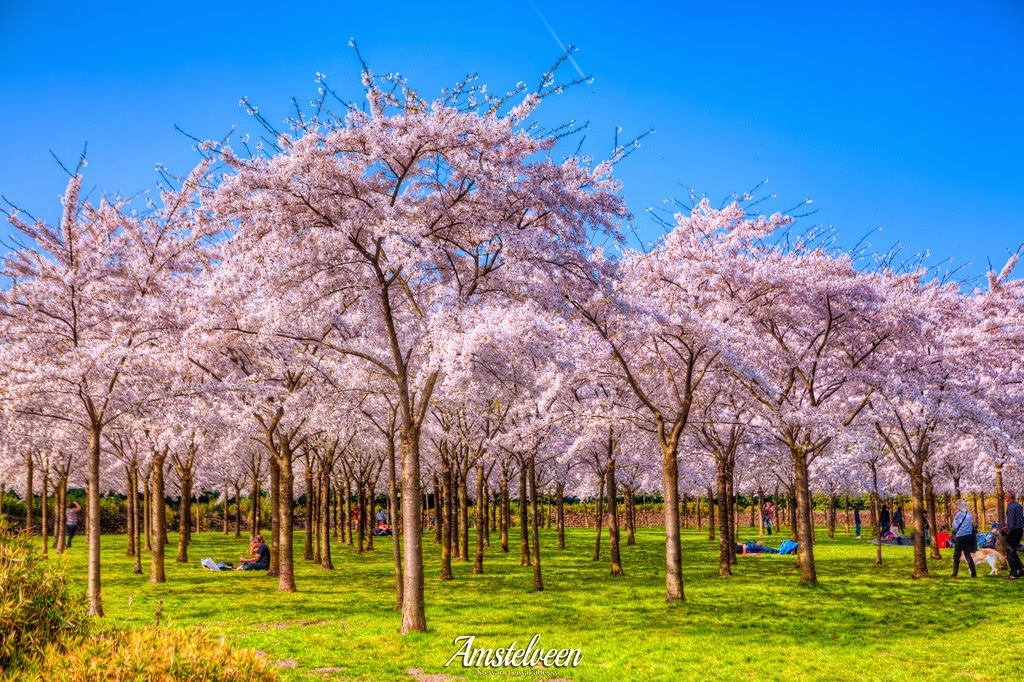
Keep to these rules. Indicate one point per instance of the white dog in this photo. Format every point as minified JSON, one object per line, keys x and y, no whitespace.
{"x":991,"y":556}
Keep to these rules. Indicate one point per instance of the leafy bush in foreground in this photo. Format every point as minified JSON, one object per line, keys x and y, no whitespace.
{"x":37,"y":607}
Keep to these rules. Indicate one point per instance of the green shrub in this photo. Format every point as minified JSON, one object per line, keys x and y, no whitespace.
{"x":37,"y":608}
{"x":151,"y":654}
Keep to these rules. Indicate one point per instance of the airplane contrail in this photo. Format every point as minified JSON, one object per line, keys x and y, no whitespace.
{"x":557,"y":39}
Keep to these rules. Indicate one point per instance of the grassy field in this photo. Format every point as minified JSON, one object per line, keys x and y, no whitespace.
{"x":861,"y":622}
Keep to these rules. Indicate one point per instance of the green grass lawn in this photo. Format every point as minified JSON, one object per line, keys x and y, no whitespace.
{"x":861,"y":622}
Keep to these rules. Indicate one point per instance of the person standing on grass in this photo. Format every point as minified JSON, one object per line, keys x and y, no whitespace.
{"x":964,"y":540}
{"x":769,"y":516}
{"x":1013,"y":529}
{"x":883,"y":520}
{"x":897,"y":518}
{"x":71,"y":516}
{"x":856,"y":520}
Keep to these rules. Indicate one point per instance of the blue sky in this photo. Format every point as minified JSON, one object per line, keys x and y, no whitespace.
{"x":900,"y":115}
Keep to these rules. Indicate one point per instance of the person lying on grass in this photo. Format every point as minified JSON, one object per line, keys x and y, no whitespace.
{"x":260,"y":559}
{"x":752,"y":547}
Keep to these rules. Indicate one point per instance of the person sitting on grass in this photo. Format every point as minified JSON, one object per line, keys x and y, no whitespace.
{"x":990,"y":539}
{"x":260,"y":559}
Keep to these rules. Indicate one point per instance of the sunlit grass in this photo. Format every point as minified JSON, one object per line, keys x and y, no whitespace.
{"x":860,"y":622}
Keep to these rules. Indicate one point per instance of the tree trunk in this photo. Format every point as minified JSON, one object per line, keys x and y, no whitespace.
{"x":29,"y":495}
{"x":673,"y":546}
{"x":599,"y":518}
{"x":505,"y":512}
{"x":1000,"y":510}
{"x":307,"y":540}
{"x":326,"y":562}
{"x":254,"y":526}
{"x":831,"y":515}
{"x":396,"y":547}
{"x":846,"y":511}
{"x":129,"y":485}
{"x":238,"y":511}
{"x":449,"y":519}
{"x":463,"y":515}
{"x":560,"y":513}
{"x":60,"y":515}
{"x":524,"y":538}
{"x":147,"y":519}
{"x":804,"y":518}
{"x":413,"y":614}
{"x":361,"y":521}
{"x":93,"y":530}
{"x":933,"y":526}
{"x":184,"y":518}
{"x":437,"y":511}
{"x":724,"y":540}
{"x":711,"y":514}
{"x":140,"y":523}
{"x":613,"y":521}
{"x":44,"y":512}
{"x":348,"y":527}
{"x":158,"y":519}
{"x":875,"y":512}
{"x":275,"y":518}
{"x":917,"y":500}
{"x":286,"y":567}
{"x":538,"y":583}
{"x":478,"y":562}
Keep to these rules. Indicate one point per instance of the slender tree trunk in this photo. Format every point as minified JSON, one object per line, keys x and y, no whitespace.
{"x":140,"y":523}
{"x":875,"y":512}
{"x":478,"y":562}
{"x":599,"y":518}
{"x":437,"y":511}
{"x":147,"y":519}
{"x":538,"y":583}
{"x":724,"y":539}
{"x":631,"y":516}
{"x":29,"y":494}
{"x":44,"y":512}
{"x":488,"y":516}
{"x":463,"y":515}
{"x":326,"y":562}
{"x":699,"y":515}
{"x":711,"y":513}
{"x":130,"y":512}
{"x":917,"y":501}
{"x":286,"y":520}
{"x":933,"y":526}
{"x":361,"y":521}
{"x":238,"y":511}
{"x":93,"y":530}
{"x":1000,"y":510}
{"x":613,"y":521}
{"x":732,"y":500}
{"x":846,"y":511}
{"x":673,"y":546}
{"x":524,"y":539}
{"x":804,"y":517}
{"x":947,"y":509}
{"x":158,"y":519}
{"x":275,"y":518}
{"x":348,"y":528}
{"x":559,"y":513}
{"x":505,"y":509}
{"x":254,"y":512}
{"x":831,"y":515}
{"x":413,"y":614}
{"x":447,"y":536}
{"x":984,"y":512}
{"x":307,"y":540}
{"x":369,"y":517}
{"x":396,"y":527}
{"x":184,"y":518}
